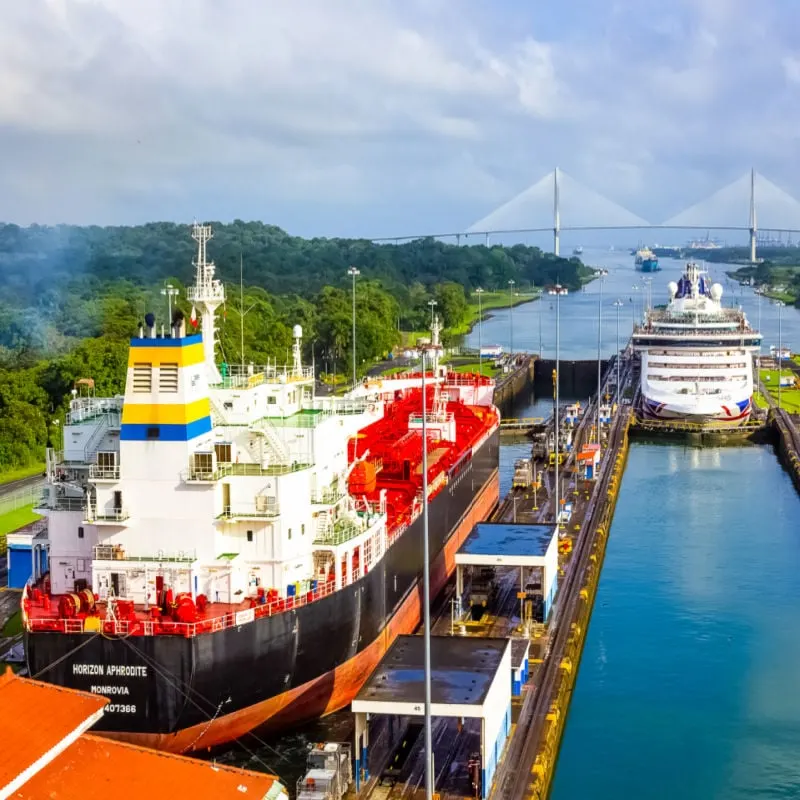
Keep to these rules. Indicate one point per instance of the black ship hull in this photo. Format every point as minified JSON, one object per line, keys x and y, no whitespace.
{"x":186,"y":693}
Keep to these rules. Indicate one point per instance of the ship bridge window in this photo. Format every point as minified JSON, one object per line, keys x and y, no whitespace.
{"x":106,"y":459}
{"x":142,"y":378}
{"x":168,"y":378}
{"x":203,"y":463}
{"x":223,"y":451}
{"x":272,"y":400}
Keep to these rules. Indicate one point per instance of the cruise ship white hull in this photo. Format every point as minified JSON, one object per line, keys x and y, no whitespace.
{"x":700,"y":410}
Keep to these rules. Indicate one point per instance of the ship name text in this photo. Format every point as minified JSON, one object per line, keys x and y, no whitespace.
{"x":110,"y":670}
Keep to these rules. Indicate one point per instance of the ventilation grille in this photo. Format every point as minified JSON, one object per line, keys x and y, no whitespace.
{"x":168,"y":378}
{"x":142,"y":378}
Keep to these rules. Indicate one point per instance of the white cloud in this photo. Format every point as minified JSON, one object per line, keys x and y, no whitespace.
{"x":791,"y":68}
{"x":416,"y":114}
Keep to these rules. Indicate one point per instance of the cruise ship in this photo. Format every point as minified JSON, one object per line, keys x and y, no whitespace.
{"x":226,"y":550}
{"x":697,"y":357}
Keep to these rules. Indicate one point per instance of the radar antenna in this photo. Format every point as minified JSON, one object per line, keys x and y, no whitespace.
{"x":208,"y":293}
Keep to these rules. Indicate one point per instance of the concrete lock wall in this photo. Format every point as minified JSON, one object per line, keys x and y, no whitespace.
{"x":576,"y":378}
{"x":509,"y":386}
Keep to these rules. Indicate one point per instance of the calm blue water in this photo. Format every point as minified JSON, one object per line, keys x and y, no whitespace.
{"x":690,"y":681}
{"x":580,"y":311}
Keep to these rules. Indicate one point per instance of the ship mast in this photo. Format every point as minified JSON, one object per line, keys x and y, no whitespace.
{"x":439,"y":405}
{"x":208,"y":294}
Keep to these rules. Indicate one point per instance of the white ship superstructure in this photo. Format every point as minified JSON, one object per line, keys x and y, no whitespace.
{"x":697,"y":357}
{"x":211,"y":480}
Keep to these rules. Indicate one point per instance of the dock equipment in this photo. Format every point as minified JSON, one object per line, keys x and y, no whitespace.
{"x":469,"y":680}
{"x":520,"y":664}
{"x":495,"y":544}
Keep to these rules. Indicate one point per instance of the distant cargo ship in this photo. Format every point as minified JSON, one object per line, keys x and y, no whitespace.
{"x":578,"y":251}
{"x":646,"y":260}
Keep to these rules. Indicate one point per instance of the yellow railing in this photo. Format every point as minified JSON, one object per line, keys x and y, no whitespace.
{"x":688,"y":425}
{"x":521,"y":422}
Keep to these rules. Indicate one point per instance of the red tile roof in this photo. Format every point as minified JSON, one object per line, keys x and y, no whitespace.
{"x":95,"y":766}
{"x":46,"y":715}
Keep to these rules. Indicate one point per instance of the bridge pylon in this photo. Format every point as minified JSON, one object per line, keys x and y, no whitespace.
{"x":753,"y":223}
{"x":556,"y":216}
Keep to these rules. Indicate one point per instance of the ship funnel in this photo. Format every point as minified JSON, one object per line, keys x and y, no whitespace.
{"x":672,"y":288}
{"x":178,"y":324}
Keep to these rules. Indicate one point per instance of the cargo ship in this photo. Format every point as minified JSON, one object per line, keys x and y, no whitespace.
{"x":646,"y":260}
{"x":697,"y":357}
{"x":226,"y":551}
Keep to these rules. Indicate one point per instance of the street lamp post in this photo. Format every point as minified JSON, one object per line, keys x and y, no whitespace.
{"x":169,"y":291}
{"x":601,"y":275}
{"x":432,"y":304}
{"x":479,"y":292}
{"x":426,"y":593}
{"x":635,"y":288}
{"x":779,"y":303}
{"x":558,"y":381}
{"x":540,"y":301}
{"x":353,"y":273}
{"x":758,"y":357}
{"x":511,"y":317}
{"x":618,"y":305}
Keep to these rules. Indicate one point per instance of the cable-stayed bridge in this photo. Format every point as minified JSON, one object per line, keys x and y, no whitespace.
{"x":739,"y":206}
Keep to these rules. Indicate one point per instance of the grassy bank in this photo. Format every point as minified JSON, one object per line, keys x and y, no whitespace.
{"x":490,"y":301}
{"x":790,"y":397}
{"x":19,"y":473}
{"x":19,"y":517}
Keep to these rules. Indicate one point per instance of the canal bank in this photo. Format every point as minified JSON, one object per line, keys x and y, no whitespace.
{"x":691,"y":669}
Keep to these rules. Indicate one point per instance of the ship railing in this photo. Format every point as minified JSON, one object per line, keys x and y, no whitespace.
{"x":167,"y":627}
{"x":242,"y":469}
{"x":107,"y":514}
{"x":260,"y":509}
{"x":237,"y":376}
{"x":340,"y":406}
{"x":467,"y":379}
{"x":341,"y":532}
{"x":116,"y":552}
{"x":431,"y":418}
{"x":98,"y":473}
{"x":57,"y":502}
{"x":328,"y":497}
{"x":83,"y":409}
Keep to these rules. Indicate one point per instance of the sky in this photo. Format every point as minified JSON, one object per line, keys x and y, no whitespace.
{"x":386,"y":117}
